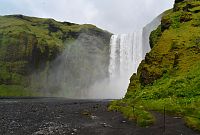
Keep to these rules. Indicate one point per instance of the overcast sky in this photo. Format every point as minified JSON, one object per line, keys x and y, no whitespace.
{"x":116,"y":16}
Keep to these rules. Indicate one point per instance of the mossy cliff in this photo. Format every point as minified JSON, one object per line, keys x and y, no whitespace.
{"x":29,"y":44}
{"x":169,"y":77}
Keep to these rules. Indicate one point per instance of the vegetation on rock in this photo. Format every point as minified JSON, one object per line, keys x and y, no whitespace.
{"x":29,"y":44}
{"x":169,"y":77}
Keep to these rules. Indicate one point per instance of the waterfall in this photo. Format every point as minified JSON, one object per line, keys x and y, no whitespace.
{"x":125,"y":54}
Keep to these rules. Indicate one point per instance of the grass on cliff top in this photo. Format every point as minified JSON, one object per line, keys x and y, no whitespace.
{"x":39,"y":25}
{"x":47,"y":30}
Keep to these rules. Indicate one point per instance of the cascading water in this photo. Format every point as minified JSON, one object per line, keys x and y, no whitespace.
{"x":126,"y":53}
{"x":125,"y":56}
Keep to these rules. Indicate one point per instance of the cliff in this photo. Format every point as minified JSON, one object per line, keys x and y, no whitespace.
{"x":169,"y":75}
{"x":29,"y":45}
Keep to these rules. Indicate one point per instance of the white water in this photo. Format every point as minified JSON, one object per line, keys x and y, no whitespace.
{"x":126,"y":53}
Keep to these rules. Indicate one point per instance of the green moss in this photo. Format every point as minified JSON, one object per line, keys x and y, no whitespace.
{"x":154,"y":37}
{"x":193,"y":123}
{"x":133,"y":112}
{"x":16,"y":90}
{"x":175,"y":21}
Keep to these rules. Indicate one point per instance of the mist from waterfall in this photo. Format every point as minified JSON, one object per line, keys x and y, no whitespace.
{"x":125,"y":56}
{"x":126,"y":53}
{"x":89,"y":69}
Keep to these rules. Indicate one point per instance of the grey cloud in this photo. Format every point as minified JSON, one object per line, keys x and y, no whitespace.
{"x":116,"y":16}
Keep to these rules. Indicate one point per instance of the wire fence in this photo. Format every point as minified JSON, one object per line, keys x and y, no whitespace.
{"x":165,"y":114}
{"x":182,"y":116}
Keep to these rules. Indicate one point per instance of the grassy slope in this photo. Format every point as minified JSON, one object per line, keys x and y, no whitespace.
{"x":169,"y":77}
{"x":27,"y":43}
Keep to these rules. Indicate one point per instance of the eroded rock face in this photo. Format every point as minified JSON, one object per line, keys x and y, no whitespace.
{"x":177,"y":1}
{"x":148,"y":77}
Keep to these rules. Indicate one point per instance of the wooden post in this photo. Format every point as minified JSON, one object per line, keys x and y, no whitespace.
{"x":164,"y":122}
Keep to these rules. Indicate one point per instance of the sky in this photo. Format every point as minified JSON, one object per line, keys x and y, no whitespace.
{"x":116,"y":16}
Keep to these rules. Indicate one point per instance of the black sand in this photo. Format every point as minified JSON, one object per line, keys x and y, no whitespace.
{"x":57,"y":116}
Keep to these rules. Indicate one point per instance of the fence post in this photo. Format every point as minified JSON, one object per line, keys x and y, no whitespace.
{"x":164,"y":122}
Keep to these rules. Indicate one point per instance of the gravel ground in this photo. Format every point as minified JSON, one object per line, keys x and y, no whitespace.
{"x":59,"y":116}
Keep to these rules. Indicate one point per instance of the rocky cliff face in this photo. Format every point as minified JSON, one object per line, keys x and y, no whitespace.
{"x":28,"y":45}
{"x":169,"y":76}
